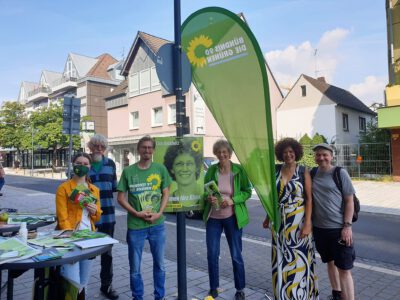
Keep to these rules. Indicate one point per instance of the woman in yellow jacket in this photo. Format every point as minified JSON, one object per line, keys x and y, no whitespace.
{"x":78,"y":207}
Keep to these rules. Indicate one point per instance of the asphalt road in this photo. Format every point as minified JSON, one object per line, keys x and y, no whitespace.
{"x":376,"y":236}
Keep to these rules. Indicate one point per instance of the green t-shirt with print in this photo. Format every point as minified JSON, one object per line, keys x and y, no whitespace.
{"x":144,"y":189}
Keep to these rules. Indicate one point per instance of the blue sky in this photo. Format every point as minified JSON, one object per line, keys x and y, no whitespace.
{"x":349,"y":35}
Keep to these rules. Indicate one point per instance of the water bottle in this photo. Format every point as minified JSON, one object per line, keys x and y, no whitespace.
{"x":23,"y":232}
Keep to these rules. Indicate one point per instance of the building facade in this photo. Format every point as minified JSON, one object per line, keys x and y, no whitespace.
{"x":140,"y":106}
{"x":314,"y":106}
{"x":389,"y":116}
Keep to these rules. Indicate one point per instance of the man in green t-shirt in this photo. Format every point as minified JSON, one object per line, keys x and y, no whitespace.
{"x":147,"y":185}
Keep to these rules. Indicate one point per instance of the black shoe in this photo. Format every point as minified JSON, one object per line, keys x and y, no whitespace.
{"x":1,"y":194}
{"x":213,"y":293}
{"x":109,"y":292}
{"x":240,"y":295}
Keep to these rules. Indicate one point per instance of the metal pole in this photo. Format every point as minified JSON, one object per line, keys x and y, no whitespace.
{"x":359,"y":164}
{"x":32,"y":151}
{"x":70,"y":139}
{"x":180,"y":116}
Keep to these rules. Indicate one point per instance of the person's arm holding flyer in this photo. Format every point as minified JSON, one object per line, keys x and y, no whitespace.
{"x":214,"y":195}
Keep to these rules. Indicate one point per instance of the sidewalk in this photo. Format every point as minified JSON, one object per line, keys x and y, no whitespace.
{"x":375,"y":196}
{"x":377,"y":281}
{"x":197,"y":281}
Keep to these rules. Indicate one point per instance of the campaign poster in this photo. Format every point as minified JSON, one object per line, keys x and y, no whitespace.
{"x":183,"y":158}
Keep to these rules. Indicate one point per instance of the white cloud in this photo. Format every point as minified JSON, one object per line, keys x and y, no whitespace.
{"x":370,"y":90}
{"x":288,"y":64}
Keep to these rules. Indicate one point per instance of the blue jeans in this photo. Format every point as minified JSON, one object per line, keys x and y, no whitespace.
{"x":2,"y":181}
{"x":78,"y":273}
{"x":135,"y":239}
{"x":234,"y":237}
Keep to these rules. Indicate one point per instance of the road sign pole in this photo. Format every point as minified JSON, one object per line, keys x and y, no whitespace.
{"x":70,"y":138}
{"x":180,"y":117}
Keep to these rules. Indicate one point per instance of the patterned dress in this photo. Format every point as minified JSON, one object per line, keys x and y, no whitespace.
{"x":293,"y":258}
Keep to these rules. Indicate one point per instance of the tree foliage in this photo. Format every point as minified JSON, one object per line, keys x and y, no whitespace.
{"x":13,"y":123}
{"x":42,"y":128}
{"x":373,"y":134}
{"x":318,"y":139}
{"x":305,"y":140}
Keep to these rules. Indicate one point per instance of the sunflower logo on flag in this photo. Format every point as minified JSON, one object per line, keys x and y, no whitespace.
{"x":196,"y":146}
{"x":196,"y":42}
{"x":155,"y":181}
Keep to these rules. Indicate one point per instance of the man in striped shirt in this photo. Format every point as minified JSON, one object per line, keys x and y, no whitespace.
{"x":103,"y":175}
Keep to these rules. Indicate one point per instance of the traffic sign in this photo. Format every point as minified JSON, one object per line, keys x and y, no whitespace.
{"x":165,"y":67}
{"x":71,"y":115}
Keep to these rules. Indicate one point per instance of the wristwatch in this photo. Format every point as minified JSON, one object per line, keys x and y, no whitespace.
{"x":347,"y":224}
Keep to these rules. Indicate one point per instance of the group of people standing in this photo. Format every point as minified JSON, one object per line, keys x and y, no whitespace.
{"x":308,"y":206}
{"x":313,"y":209}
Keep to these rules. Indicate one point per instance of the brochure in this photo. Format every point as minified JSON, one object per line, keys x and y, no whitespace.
{"x":13,"y":249}
{"x":50,"y":241}
{"x":213,"y":190}
{"x":150,"y":201}
{"x":29,"y":218}
{"x":87,"y":234}
{"x":49,"y":254}
{"x":84,"y":244}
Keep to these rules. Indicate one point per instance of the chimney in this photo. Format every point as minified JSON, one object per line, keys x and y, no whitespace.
{"x":322,"y":79}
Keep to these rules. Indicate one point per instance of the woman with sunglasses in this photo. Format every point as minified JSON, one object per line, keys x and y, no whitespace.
{"x":78,"y":207}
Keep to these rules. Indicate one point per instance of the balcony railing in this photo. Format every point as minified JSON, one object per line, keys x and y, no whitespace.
{"x":117,"y":102}
{"x":39,"y":90}
{"x":63,"y":80}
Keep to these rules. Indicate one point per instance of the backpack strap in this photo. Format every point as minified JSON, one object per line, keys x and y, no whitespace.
{"x":338,"y":179}
{"x":313,"y":171}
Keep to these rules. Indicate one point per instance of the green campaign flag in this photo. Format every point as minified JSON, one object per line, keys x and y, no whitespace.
{"x":229,"y":71}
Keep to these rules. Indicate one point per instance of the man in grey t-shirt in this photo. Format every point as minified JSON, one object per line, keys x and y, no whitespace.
{"x":331,"y":224}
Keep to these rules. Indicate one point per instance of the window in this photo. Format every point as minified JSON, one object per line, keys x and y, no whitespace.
{"x":345,"y":122}
{"x":362,"y":124}
{"x":171,"y":114}
{"x":134,"y":84}
{"x":157,"y":117}
{"x":155,"y":83}
{"x":303,"y":91}
{"x":134,"y":120}
{"x":145,"y":81}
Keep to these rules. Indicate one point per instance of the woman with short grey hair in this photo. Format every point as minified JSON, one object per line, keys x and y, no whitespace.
{"x":227,"y":214}
{"x":222,"y":144}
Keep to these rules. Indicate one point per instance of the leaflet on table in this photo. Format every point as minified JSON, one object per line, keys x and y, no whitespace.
{"x":84,"y":244}
{"x":29,"y":218}
{"x":87,"y":234}
{"x":14,"y":249}
{"x":50,"y":241}
{"x":65,"y":238}
{"x":50,"y":254}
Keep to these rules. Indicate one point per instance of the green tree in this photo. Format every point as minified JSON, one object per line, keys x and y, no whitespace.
{"x":375,"y":145}
{"x":373,"y":134}
{"x":46,"y":124}
{"x":13,"y":122}
{"x":305,"y":140}
{"x":308,"y":156}
{"x":318,"y":139}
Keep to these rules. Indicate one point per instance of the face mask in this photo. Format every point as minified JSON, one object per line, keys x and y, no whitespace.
{"x":81,"y":170}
